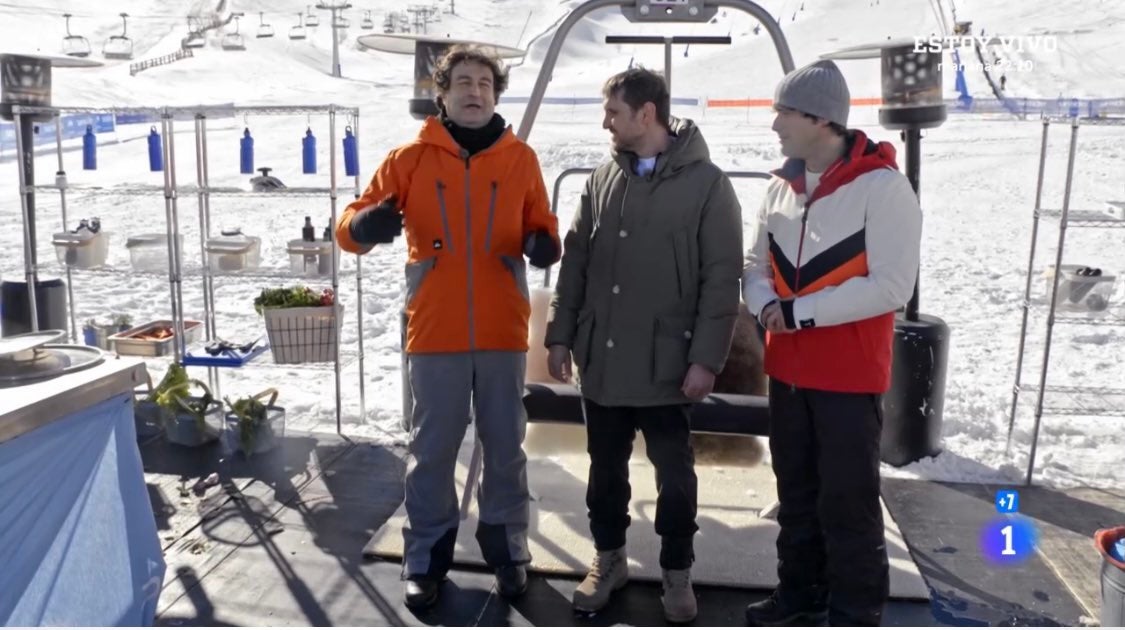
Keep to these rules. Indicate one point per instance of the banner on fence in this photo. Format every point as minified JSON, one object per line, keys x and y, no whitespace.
{"x":72,"y":127}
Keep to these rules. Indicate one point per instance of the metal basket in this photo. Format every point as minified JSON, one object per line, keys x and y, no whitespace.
{"x":307,"y":334}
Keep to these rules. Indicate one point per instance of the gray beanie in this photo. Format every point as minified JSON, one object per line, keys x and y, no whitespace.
{"x":818,"y":89}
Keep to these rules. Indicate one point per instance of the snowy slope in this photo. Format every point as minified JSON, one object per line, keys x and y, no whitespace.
{"x":978,"y":181}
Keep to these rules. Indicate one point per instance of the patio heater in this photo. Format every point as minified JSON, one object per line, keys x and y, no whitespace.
{"x":25,"y":81}
{"x":427,"y":50}
{"x":912,"y":101}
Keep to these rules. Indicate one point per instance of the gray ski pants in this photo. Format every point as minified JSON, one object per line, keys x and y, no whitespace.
{"x":444,"y":386}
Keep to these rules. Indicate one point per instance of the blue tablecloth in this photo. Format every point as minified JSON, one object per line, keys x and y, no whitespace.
{"x":78,"y":540}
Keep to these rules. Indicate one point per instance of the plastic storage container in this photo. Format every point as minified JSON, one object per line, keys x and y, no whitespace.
{"x":149,"y":252}
{"x":1079,"y":291}
{"x":258,"y":439}
{"x":81,"y":249}
{"x":310,"y":258}
{"x":155,"y":338}
{"x":233,"y":251}
{"x":187,"y":430}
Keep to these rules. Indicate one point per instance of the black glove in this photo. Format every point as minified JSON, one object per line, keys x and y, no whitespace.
{"x":380,"y":224}
{"x":541,"y":250}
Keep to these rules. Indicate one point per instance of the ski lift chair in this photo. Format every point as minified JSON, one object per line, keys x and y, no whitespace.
{"x":367,"y":23}
{"x":298,"y":31}
{"x":119,"y":46}
{"x":234,"y":41}
{"x":74,"y":45}
{"x":311,"y":19}
{"x":342,"y":22}
{"x":264,"y":30}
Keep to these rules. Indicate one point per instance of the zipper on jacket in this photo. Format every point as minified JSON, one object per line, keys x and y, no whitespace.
{"x":800,"y":249}
{"x":469,"y":247}
{"x":491,"y":215}
{"x":444,"y":216}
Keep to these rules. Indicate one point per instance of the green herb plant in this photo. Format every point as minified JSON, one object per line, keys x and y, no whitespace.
{"x":293,"y":297}
{"x":252,"y":416}
{"x":173,"y":394}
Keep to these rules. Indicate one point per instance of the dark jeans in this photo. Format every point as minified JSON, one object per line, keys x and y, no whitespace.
{"x":825,"y":451}
{"x":609,"y":441}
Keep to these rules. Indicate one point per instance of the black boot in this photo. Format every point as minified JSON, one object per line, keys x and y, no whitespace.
{"x":776,"y":610}
{"x":511,"y":580}
{"x":421,"y":592}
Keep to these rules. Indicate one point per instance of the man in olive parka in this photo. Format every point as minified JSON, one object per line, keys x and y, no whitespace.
{"x":646,"y":300}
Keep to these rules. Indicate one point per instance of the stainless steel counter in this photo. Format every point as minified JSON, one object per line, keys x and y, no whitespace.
{"x":28,"y":407}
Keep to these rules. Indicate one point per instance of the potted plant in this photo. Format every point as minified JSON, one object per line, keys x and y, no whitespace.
{"x":254,"y":426}
{"x":188,"y":420}
{"x":302,"y":324}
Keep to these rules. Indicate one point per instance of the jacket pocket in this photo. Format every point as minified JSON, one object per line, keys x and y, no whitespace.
{"x":670,"y":348}
{"x":416,"y":272}
{"x":518,"y":268}
{"x":685,"y":277}
{"x":583,"y":340}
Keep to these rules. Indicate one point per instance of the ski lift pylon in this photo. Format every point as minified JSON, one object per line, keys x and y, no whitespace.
{"x":298,"y":31}
{"x":74,"y":45}
{"x":234,"y":41}
{"x":194,"y":37}
{"x":119,"y":46}
{"x":264,"y":30}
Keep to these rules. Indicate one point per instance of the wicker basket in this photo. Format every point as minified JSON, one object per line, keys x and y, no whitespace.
{"x":307,"y":334}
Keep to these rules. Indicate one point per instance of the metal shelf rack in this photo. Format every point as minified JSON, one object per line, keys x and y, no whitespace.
{"x":203,"y":191}
{"x":1063,"y":400}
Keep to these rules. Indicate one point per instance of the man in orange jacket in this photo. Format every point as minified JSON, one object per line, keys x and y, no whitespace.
{"x":473,"y":202}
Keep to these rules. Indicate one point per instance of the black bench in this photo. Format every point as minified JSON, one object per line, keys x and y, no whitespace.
{"x":718,"y":413}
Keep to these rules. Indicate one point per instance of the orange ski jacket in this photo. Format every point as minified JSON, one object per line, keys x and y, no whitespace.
{"x":466,"y":220}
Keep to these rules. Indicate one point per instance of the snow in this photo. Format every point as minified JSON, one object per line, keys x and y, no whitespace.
{"x":978,"y":185}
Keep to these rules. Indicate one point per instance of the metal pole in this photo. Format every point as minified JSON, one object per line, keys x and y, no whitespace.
{"x":25,"y":152}
{"x":359,"y":283}
{"x":173,"y":230}
{"x":555,"y":208}
{"x":1054,"y":295}
{"x":668,"y":63}
{"x":170,"y":165}
{"x":169,"y":231}
{"x":60,"y":181}
{"x":335,"y":256}
{"x":548,"y":65}
{"x":204,"y":233}
{"x":913,"y":168}
{"x":1027,"y":287}
{"x":335,"y":73}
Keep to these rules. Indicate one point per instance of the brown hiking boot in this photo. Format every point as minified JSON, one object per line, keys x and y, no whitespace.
{"x":679,"y":598}
{"x":608,"y":573}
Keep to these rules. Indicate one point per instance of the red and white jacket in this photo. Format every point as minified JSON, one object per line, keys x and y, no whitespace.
{"x":841,"y":259}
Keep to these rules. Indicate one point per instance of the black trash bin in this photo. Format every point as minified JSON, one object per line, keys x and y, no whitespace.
{"x":15,"y":312}
{"x":912,"y":408}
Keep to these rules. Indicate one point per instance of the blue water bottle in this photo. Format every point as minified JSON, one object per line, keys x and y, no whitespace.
{"x":89,"y":150}
{"x":308,"y":153}
{"x":351,"y":154}
{"x":155,"y":155}
{"x":246,"y":155}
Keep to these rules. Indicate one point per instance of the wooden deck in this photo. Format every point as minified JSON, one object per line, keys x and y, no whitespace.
{"x":279,"y":540}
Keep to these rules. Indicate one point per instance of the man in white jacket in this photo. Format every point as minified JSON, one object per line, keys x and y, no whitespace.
{"x":836,"y":254}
